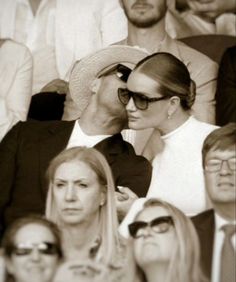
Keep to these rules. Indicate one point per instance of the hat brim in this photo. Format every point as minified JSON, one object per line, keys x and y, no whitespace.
{"x":86,"y":70}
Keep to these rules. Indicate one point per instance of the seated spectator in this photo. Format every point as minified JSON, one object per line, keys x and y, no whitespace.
{"x":28,"y":148}
{"x":146,"y":29}
{"x":15,"y":84}
{"x":226,"y":88}
{"x":195,"y":17}
{"x":32,"y":250}
{"x":81,"y":200}
{"x":163,"y":241}
{"x":217,"y":227}
{"x":59,"y":32}
{"x":161,"y":98}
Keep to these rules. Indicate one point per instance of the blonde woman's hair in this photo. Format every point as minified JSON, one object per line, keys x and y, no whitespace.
{"x":184,"y":265}
{"x":108,"y":215}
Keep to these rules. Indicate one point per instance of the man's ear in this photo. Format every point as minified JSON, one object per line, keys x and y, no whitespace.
{"x":95,"y":85}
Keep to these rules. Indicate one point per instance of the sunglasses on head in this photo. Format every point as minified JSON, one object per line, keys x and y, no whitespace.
{"x":158,"y":225}
{"x":121,"y":71}
{"x":44,"y":248}
{"x":140,"y":100}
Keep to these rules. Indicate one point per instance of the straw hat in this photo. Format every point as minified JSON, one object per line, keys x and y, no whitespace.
{"x":86,"y":70}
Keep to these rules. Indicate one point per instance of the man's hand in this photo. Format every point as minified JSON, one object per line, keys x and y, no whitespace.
{"x":212,"y":8}
{"x":124,"y":200}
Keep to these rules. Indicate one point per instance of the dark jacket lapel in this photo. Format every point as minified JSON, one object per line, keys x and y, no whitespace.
{"x":52,"y":143}
{"x":205,"y":226}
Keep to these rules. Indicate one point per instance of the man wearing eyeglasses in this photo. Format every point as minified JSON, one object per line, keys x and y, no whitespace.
{"x":217,"y":227}
{"x":27,"y":149}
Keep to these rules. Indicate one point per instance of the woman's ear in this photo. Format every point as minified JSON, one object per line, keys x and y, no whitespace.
{"x":174,"y":103}
{"x":95,"y":85}
{"x":9,"y":266}
{"x":102,"y":198}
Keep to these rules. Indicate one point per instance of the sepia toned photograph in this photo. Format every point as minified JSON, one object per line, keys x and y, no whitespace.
{"x":117,"y":140}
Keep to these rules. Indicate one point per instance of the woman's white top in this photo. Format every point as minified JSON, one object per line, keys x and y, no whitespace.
{"x":177,"y":171}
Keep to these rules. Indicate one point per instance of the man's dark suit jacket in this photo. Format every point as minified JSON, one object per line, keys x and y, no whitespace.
{"x":226,"y":88}
{"x":205,"y":226}
{"x":26,"y":151}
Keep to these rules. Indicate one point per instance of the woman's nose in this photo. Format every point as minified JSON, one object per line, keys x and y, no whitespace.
{"x":71,"y":194}
{"x":131,"y":106}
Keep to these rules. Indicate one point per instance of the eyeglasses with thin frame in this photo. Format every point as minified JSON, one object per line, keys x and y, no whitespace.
{"x":215,"y":165}
{"x":158,"y":225}
{"x":141,"y":101}
{"x":121,"y":71}
{"x":44,"y":248}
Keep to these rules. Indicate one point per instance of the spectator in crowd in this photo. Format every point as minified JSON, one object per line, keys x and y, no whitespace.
{"x":59,"y":32}
{"x":226,"y":88}
{"x":196,"y":17}
{"x":16,"y":84}
{"x":32,"y":250}
{"x":27,"y":149}
{"x":146,"y":29}
{"x":81,"y":200}
{"x":163,"y":241}
{"x":217,"y":227}
{"x":161,"y":98}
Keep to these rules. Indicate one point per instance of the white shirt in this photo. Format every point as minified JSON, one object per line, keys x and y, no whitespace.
{"x":177,"y":175}
{"x":79,"y":138}
{"x":218,"y":243}
{"x":16,"y":69}
{"x":61,"y":32}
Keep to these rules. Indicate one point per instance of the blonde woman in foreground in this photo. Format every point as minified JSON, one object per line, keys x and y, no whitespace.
{"x":163,"y":242}
{"x":81,"y":200}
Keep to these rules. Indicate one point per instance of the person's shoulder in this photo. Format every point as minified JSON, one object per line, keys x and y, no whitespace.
{"x":35,"y":126}
{"x":128,"y":152}
{"x":190,"y":54}
{"x":203,"y":127}
{"x":202,"y":217}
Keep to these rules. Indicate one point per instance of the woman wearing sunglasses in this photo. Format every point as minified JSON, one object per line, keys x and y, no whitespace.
{"x":163,"y":242}
{"x":32,"y":250}
{"x":159,"y":96}
{"x":81,"y":200}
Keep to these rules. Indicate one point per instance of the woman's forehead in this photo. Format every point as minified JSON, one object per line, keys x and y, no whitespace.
{"x":149,"y":213}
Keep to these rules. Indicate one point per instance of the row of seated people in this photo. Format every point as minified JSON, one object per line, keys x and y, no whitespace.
{"x":146,"y":29}
{"x":79,"y":238}
{"x":51,"y":29}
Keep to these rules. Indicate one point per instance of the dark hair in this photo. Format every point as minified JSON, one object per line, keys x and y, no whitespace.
{"x":221,"y":138}
{"x":10,"y":234}
{"x":171,"y":75}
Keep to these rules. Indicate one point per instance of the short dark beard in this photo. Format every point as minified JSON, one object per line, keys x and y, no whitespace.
{"x":143,"y":24}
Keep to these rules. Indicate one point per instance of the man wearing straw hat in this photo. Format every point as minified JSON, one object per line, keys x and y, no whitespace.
{"x":27,"y":149}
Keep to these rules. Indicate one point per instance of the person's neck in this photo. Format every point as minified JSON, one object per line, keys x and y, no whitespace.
{"x":173,"y":123}
{"x":156,"y":270}
{"x":100,"y":123}
{"x":149,"y":38}
{"x":226,"y":210}
{"x":77,"y":239}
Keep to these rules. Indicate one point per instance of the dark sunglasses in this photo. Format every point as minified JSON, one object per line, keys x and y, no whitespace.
{"x":141,"y":101}
{"x":121,"y":71}
{"x":44,"y":248}
{"x":158,"y":225}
